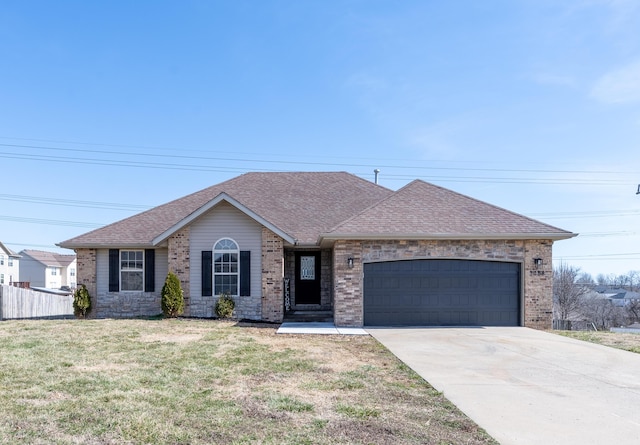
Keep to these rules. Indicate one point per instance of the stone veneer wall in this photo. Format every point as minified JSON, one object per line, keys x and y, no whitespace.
{"x":272,"y":276}
{"x":128,"y":304}
{"x":179,"y":258}
{"x":536,"y":283}
{"x":87,"y":274}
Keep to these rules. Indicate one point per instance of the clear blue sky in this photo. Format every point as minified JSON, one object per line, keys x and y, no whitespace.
{"x":532,"y":105}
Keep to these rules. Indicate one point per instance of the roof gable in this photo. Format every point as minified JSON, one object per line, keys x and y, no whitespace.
{"x":423,"y":210}
{"x":300,"y":205}
{"x":49,"y":259}
{"x":8,"y":251}
{"x":222,"y":197}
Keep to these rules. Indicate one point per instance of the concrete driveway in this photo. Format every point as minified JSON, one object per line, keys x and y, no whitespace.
{"x":525,"y":386}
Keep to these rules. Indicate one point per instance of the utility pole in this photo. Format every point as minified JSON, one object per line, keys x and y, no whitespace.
{"x":638,"y":192}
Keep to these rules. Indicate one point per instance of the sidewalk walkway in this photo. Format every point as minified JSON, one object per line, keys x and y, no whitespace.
{"x":320,"y":328}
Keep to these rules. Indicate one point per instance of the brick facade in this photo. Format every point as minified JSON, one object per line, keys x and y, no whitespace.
{"x":272,"y":276}
{"x":342,"y":287}
{"x":536,"y":283}
{"x":87,"y":275}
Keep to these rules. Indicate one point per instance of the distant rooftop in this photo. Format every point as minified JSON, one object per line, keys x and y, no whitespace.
{"x":50,"y":259}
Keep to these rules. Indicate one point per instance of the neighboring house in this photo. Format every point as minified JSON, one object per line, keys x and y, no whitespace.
{"x":283,"y":242}
{"x":617,"y":296}
{"x":9,"y":265}
{"x":48,"y":269}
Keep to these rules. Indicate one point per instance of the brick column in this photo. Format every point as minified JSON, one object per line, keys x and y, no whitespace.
{"x":272,"y":276}
{"x":348,"y":305}
{"x":179,"y":257}
{"x":87,"y":271}
{"x":538,"y":285}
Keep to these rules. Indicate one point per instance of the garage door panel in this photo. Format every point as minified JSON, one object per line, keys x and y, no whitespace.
{"x":442,"y":293}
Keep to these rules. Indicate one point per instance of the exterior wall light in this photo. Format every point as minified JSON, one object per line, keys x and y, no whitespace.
{"x":537,"y":262}
{"x":350,"y":262}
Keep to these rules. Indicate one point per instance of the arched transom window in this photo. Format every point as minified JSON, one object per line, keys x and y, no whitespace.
{"x":226,"y":270}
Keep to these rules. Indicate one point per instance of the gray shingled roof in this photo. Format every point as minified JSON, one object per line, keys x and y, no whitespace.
{"x":308,"y":206}
{"x":301,"y":204}
{"x":423,"y":210}
{"x":50,"y":258}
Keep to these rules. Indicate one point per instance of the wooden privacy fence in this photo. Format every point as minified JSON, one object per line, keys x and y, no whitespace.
{"x":27,"y":303}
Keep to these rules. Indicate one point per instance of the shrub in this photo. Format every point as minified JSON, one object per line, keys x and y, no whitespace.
{"x":172,"y":296}
{"x":81,"y":302}
{"x":225,"y":305}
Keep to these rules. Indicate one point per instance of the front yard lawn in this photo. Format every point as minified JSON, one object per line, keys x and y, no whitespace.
{"x":628,"y":342}
{"x":202,"y":382}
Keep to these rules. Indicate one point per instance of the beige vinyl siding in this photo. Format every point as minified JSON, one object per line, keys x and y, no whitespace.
{"x":225,"y":221}
{"x":102,"y":271}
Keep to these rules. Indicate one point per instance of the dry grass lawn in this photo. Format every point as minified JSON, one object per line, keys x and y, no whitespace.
{"x":202,"y":382}
{"x":628,"y":342}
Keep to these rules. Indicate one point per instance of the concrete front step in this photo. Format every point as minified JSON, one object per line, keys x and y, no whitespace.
{"x":309,"y":316}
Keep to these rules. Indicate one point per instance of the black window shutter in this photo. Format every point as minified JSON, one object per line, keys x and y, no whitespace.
{"x":207,"y":271}
{"x":149,"y":270}
{"x":114,"y":270}
{"x":245,"y":273}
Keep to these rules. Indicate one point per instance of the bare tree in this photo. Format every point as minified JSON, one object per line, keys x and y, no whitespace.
{"x":585,"y":279}
{"x":603,"y":280}
{"x":568,"y":295}
{"x":633,"y":311}
{"x":634,"y":280}
{"x":603,"y":313}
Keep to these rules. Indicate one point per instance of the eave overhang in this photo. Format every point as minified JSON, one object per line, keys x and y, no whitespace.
{"x":329,"y":238}
{"x":74,"y":246}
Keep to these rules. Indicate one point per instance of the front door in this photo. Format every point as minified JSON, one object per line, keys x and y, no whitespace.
{"x":307,"y":278}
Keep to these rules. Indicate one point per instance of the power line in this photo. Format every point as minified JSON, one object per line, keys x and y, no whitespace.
{"x":192,"y":167}
{"x":73,"y":203}
{"x":602,"y":256}
{"x":582,"y":215}
{"x":53,"y":222}
{"x":606,"y":234}
{"x":270,"y":161}
{"x":47,"y":246}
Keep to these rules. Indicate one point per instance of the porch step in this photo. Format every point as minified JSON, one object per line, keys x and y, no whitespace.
{"x":309,"y":316}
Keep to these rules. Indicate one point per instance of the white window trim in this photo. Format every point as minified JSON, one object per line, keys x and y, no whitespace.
{"x":213,"y":265}
{"x":121,"y":270}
